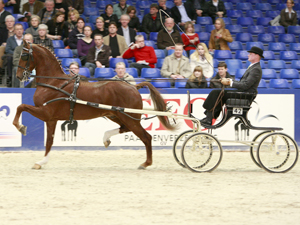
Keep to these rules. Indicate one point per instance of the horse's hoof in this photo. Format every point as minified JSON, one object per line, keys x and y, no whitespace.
{"x":23,"y":130}
{"x":141,"y":167}
{"x":107,"y":143}
{"x":36,"y":167}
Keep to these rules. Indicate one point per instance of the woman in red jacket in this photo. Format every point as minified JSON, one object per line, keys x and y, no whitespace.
{"x":190,"y":38}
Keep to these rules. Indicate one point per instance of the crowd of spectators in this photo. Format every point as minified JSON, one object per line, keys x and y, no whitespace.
{"x":114,"y":35}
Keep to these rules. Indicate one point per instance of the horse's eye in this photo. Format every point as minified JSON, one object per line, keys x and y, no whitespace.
{"x":24,"y":56}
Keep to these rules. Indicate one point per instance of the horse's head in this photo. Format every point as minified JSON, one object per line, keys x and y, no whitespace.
{"x":26,"y":62}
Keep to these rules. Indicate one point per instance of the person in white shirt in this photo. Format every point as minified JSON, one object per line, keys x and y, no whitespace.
{"x":127,"y":32}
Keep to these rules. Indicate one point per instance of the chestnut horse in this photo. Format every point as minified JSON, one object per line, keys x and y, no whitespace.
{"x":114,"y":93}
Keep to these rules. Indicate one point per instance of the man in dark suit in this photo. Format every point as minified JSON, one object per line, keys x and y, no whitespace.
{"x":183,"y":13}
{"x":127,"y":32}
{"x":248,"y":83}
{"x":3,"y":14}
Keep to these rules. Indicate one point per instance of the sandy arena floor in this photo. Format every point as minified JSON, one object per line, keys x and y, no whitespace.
{"x":105,"y":187}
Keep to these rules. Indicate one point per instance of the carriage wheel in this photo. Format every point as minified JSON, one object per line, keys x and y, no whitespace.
{"x":277,"y":153}
{"x":253,"y":148}
{"x":177,"y":146}
{"x":201,"y":152}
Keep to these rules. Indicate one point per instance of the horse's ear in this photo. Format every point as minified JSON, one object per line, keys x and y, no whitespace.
{"x":25,"y":44}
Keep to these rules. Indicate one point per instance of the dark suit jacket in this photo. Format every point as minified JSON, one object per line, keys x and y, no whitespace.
{"x":211,"y":9}
{"x":132,"y":33}
{"x":102,"y":56}
{"x":190,"y":10}
{"x":11,"y":44}
{"x":2,"y":18}
{"x":16,"y":7}
{"x":36,"y":8}
{"x":286,"y":21}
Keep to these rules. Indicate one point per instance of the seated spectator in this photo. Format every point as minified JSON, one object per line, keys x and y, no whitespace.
{"x":222,"y":73}
{"x":6,"y":32}
{"x":48,"y":12}
{"x":183,"y":12}
{"x":219,"y":37}
{"x":32,"y":7}
{"x":16,"y":4}
{"x":134,"y":22}
{"x":190,"y":38}
{"x":100,"y":28}
{"x":151,"y":21}
{"x":34,"y":22}
{"x":125,"y":31}
{"x":76,"y":5}
{"x":115,"y":41}
{"x":61,"y":6}
{"x":3,"y":14}
{"x":164,"y":40}
{"x":73,"y":17}
{"x":16,"y":58}
{"x":120,"y":8}
{"x":162,"y":6}
{"x":42,"y":39}
{"x":84,"y":44}
{"x":122,"y":75}
{"x":74,"y":68}
{"x":58,"y":28}
{"x":202,"y":58}
{"x":200,"y":7}
{"x":288,"y":17}
{"x":215,"y":9}
{"x":176,"y":65}
{"x":109,"y":16}
{"x":97,"y":56}
{"x":11,"y":44}
{"x":197,"y":79}
{"x":76,"y":35}
{"x":144,"y":55}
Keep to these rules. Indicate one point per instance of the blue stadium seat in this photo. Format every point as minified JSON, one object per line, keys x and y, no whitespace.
{"x":216,"y":63}
{"x":150,"y":43}
{"x":197,"y":28}
{"x":143,"y":4}
{"x":146,"y":11}
{"x":245,"y":21}
{"x":259,"y":29}
{"x":114,"y":61}
{"x":91,"y":25}
{"x":288,"y":55}
{"x":244,"y":6}
{"x":272,"y":13}
{"x":239,"y":73}
{"x":84,"y":72}
{"x":262,"y":84}
{"x":169,"y":4}
{"x":276,"y":46}
{"x":295,"y":64}
{"x":254,"y":2}
{"x":262,"y":64}
{"x":104,"y":73}
{"x":235,"y":45}
{"x":276,"y":30}
{"x":228,"y":5}
{"x":234,"y":2}
{"x":268,"y":74}
{"x":254,"y":13}
{"x":161,"y":83}
{"x":222,"y":54}
{"x":294,"y":30}
{"x":242,"y":55}
{"x":159,"y":63}
{"x":204,"y":36}
{"x":204,"y":20}
{"x":133,"y":72}
{"x":92,"y":19}
{"x":65,"y":62}
{"x":160,"y":54}
{"x":294,"y":47}
{"x":234,"y":13}
{"x":243,"y":37}
{"x":280,"y":6}
{"x":24,"y":24}
{"x":279,"y":84}
{"x":58,"y":44}
{"x":276,"y":64}
{"x":249,"y":45}
{"x":101,"y":4}
{"x":289,"y":74}
{"x":87,"y":3}
{"x":269,"y":55}
{"x":171,"y":51}
{"x":142,"y":33}
{"x":150,"y":73}
{"x":296,"y":84}
{"x":233,"y":65}
{"x":266,"y":38}
{"x":9,"y":9}
{"x":264,"y":21}
{"x":91,"y":11}
{"x":287,"y":38}
{"x":274,"y":2}
{"x":140,"y":19}
{"x":227,"y":20}
{"x":209,"y":28}
{"x":83,"y":17}
{"x":153,"y":36}
{"x":180,"y":83}
{"x":234,"y":29}
{"x":263,"y":6}
{"x":63,"y":53}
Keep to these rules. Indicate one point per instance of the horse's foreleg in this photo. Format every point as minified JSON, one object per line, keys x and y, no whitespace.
{"x":108,"y":134}
{"x":50,"y":135}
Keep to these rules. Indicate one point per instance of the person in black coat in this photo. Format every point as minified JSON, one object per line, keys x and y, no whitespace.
{"x":216,"y":8}
{"x":3,"y":14}
{"x":151,"y":21}
{"x":200,"y":7}
{"x":248,"y":84}
{"x":215,"y":81}
{"x":197,"y":79}
{"x":190,"y":11}
{"x":134,"y":22}
{"x":124,"y":27}
{"x":108,"y":16}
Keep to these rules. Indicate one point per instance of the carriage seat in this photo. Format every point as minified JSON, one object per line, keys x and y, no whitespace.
{"x":233,"y":102}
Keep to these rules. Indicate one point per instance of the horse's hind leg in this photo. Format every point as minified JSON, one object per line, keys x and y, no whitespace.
{"x":50,"y":135}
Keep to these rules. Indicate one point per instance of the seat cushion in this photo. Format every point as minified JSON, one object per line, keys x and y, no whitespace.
{"x":237,"y":102}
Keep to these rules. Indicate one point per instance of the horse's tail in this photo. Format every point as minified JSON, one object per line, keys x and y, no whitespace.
{"x":159,"y":103}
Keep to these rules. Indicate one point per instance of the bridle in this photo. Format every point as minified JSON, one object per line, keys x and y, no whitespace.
{"x":26,"y":56}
